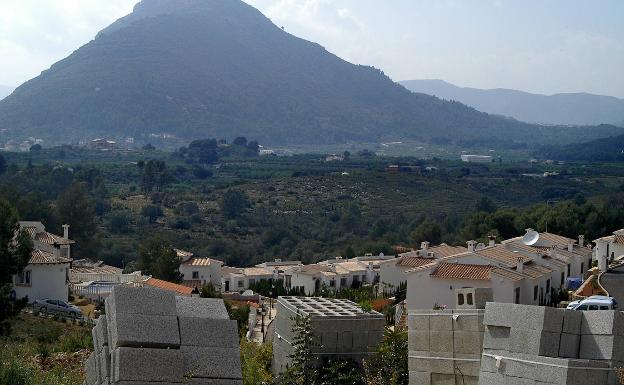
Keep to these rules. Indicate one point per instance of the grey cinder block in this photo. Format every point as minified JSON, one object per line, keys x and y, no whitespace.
{"x":602,"y":322}
{"x":418,"y":340}
{"x":100,"y":333}
{"x":496,"y":337}
{"x":149,"y":365}
{"x":91,"y":370}
{"x":467,"y":342}
{"x":141,"y":300}
{"x":419,"y":378}
{"x":418,"y":322}
{"x":219,"y":333}
{"x":602,"y":347}
{"x":104,"y":364}
{"x":329,"y":341}
{"x":211,"y":362}
{"x":148,"y":331}
{"x":570,"y":345}
{"x":189,"y":307}
{"x":498,"y":314}
{"x":524,"y":317}
{"x":534,"y":342}
{"x":441,"y":341}
{"x":572,"y":321}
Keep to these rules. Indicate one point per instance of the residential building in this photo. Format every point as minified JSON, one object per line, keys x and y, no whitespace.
{"x":310,"y":279}
{"x":476,"y":158}
{"x":235,"y":279}
{"x":608,"y":249}
{"x":47,"y":274}
{"x":197,"y":272}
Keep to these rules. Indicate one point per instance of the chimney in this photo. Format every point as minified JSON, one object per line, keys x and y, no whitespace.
{"x":492,"y":239}
{"x":424,"y":246}
{"x":520,"y":265}
{"x":571,"y":246}
{"x":370,"y":266}
{"x":471,"y":246}
{"x":66,"y":231}
{"x":581,"y":240}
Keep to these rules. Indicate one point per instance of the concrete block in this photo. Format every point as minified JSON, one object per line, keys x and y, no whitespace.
{"x":375,"y":337}
{"x":418,"y":322}
{"x":469,"y":322}
{"x":218,"y":333}
{"x":467,"y":342}
{"x":91,"y":370}
{"x":468,"y":364}
{"x":419,"y":378}
{"x":441,"y":341}
{"x":524,"y":317}
{"x":189,"y":307}
{"x":141,"y":300}
{"x":148,"y":331}
{"x":442,"y":379}
{"x":569,"y":345}
{"x":329,"y":341}
{"x":534,"y":342}
{"x":572,"y":321}
{"x":443,"y":321}
{"x":418,"y":340}
{"x":345,"y":341}
{"x":604,"y":322}
{"x":496,"y":337}
{"x":360,"y":341}
{"x":105,"y":381}
{"x":212,"y":362}
{"x":602,"y":347}
{"x":104,"y":364}
{"x":498,"y":314}
{"x":148,"y":365}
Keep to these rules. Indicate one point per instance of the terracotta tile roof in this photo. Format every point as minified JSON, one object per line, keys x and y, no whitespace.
{"x":40,"y":257}
{"x":192,"y":283}
{"x":351,"y":266}
{"x":500,"y":253}
{"x":414,"y":261}
{"x":619,"y":239}
{"x":101,"y":269}
{"x":608,"y":238}
{"x":444,"y":250}
{"x":251,"y":271}
{"x":231,"y":270}
{"x":556,"y":239}
{"x":313,"y":269}
{"x":507,"y":274}
{"x":169,"y":286}
{"x":199,"y":262}
{"x":555,"y":261}
{"x":535,"y":271}
{"x":462,"y":271}
{"x":52,"y":239}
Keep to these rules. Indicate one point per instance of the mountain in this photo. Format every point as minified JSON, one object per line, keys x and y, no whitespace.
{"x":5,"y":91}
{"x":571,"y":109}
{"x":600,"y":150}
{"x":219,"y":69}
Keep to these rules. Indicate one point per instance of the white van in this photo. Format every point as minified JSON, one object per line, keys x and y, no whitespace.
{"x":595,"y":302}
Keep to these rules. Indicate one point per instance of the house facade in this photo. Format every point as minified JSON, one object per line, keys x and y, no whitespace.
{"x":235,"y":279}
{"x":47,"y":274}
{"x":608,"y":249}
{"x":198,"y":272}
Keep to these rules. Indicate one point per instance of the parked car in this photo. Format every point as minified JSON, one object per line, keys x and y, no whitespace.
{"x":53,"y":306}
{"x":595,"y":302}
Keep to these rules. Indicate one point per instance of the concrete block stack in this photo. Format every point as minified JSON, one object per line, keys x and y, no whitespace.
{"x":445,"y":346}
{"x":150,"y":336}
{"x":540,"y":345}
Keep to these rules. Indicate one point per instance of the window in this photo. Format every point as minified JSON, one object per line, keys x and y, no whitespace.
{"x":582,"y":307}
{"x":568,"y":269}
{"x":23,"y":278}
{"x":252,"y":282}
{"x":469,"y":299}
{"x":562,"y":278}
{"x":517,"y":296}
{"x":288,"y":281}
{"x":603,"y":307}
{"x":593,"y":307}
{"x":460,"y":299}
{"x":547,"y":286}
{"x":582,"y":267}
{"x":240,"y":283}
{"x":332,"y":283}
{"x":363,"y":278}
{"x":535,"y":288}
{"x":196,"y":275}
{"x":343,"y":282}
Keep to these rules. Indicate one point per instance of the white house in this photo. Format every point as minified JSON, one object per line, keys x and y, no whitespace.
{"x":47,"y":273}
{"x":197,"y":272}
{"x":235,"y":279}
{"x":330,"y":275}
{"x":609,"y":248}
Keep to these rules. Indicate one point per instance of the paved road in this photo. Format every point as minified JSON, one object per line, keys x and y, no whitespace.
{"x":613,"y":282}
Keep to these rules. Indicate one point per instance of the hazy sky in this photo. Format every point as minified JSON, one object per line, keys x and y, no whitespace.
{"x":533,"y":45}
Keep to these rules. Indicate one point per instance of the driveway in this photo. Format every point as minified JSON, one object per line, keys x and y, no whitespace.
{"x":613,"y":282}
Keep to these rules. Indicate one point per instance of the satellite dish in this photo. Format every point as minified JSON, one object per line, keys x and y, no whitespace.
{"x":530,"y":238}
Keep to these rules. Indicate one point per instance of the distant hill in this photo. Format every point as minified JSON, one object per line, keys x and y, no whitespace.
{"x":5,"y":91}
{"x":210,"y":68}
{"x":572,"y":109}
{"x":600,"y":150}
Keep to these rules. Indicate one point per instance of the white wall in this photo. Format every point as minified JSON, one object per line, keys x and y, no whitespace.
{"x":47,"y":281}
{"x":391,"y":275}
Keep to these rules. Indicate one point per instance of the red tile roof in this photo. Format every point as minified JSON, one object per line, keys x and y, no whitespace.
{"x":40,"y":257}
{"x":462,"y":271}
{"x":198,"y":262}
{"x":445,"y":250}
{"x":500,"y":253}
{"x":51,"y":239}
{"x":414,"y":261}
{"x":169,"y":286}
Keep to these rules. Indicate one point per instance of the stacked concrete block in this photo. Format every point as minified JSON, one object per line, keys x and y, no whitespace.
{"x":540,"y":345}
{"x":445,"y":346}
{"x":150,"y":336}
{"x":343,"y":329}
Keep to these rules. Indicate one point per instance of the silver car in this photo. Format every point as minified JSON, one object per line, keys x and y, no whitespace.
{"x":54,"y":306}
